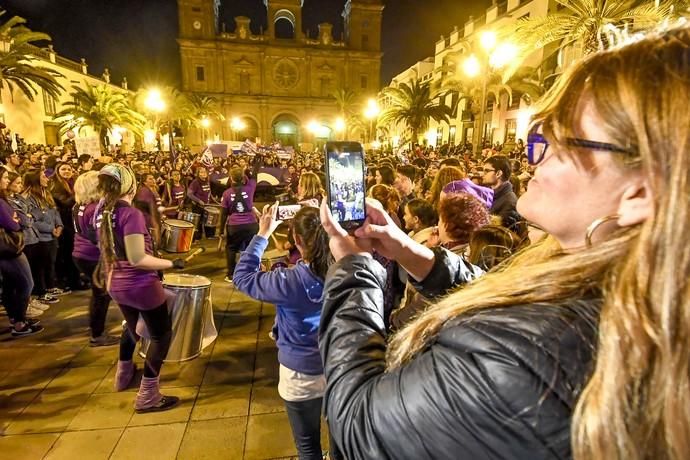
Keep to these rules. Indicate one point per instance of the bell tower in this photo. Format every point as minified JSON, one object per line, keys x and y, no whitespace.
{"x":198,"y":19}
{"x":284,"y":16}
{"x":362,"y":21}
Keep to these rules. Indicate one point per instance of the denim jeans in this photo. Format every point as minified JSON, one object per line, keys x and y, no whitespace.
{"x":17,"y":284}
{"x":305,"y":422}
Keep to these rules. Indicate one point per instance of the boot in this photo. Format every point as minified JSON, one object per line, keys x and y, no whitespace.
{"x":150,"y":399}
{"x":124,"y":375}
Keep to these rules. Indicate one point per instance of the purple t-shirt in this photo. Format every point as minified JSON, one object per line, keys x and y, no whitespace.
{"x":84,"y":232}
{"x":201,"y":190}
{"x":177,"y":192}
{"x":150,"y":200}
{"x":240,"y":216}
{"x":7,"y":217}
{"x":129,"y":285}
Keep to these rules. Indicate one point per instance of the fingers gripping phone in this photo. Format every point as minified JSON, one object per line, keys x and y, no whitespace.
{"x":287,"y":212}
{"x":346,"y":183}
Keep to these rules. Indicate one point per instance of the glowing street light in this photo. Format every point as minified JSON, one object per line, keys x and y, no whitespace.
{"x":471,"y":66}
{"x":371,"y":112}
{"x":237,"y":124}
{"x":339,"y":124}
{"x":205,"y":122}
{"x":154,"y":102}
{"x":314,"y":127}
{"x":496,"y":56}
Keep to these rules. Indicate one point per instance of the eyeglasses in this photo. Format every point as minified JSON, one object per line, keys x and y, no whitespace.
{"x":537,"y":146}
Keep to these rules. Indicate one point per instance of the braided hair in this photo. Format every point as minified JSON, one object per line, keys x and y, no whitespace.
{"x":307,"y":225}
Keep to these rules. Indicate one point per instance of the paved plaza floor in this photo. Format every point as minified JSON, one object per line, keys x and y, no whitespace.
{"x":57,"y":399}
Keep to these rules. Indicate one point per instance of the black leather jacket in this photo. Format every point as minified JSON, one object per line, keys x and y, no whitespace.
{"x":499,"y":383}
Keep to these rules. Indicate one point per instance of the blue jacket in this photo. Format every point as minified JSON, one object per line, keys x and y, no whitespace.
{"x":45,"y":220}
{"x":26,"y":220}
{"x":298,"y":296}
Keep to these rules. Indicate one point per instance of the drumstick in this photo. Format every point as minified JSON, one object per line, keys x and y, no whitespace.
{"x":194,"y":253}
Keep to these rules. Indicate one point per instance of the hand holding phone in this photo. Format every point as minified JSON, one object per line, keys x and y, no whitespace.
{"x":346,"y":183}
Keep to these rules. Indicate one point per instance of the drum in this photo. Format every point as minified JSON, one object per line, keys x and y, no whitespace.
{"x":213,"y":212}
{"x":177,"y":235}
{"x":274,"y":258}
{"x":191,"y":312}
{"x":189,"y":216}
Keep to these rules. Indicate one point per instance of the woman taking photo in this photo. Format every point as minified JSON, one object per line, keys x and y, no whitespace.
{"x":297,"y":294}
{"x":130,"y":272}
{"x":86,"y":255}
{"x":15,"y":272}
{"x":505,"y":367}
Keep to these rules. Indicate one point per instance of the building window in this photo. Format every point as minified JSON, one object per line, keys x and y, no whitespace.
{"x":439,"y":136}
{"x":244,"y":82}
{"x":49,"y":104}
{"x":451,"y":136}
{"x":325,"y":87}
{"x":365,"y":42}
{"x":196,"y":9}
{"x":511,"y":129}
{"x":363,"y":82}
{"x":200,"y":74}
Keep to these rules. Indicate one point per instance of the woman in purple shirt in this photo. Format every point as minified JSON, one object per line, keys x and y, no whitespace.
{"x":131,"y":273}
{"x":175,"y":194}
{"x":199,"y":192}
{"x":86,"y":254}
{"x":16,"y":274}
{"x":237,"y":207}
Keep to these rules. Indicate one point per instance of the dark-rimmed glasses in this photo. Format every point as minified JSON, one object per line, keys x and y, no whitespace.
{"x":537,"y":146}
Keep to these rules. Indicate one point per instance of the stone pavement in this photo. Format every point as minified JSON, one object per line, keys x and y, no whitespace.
{"x":57,"y":399}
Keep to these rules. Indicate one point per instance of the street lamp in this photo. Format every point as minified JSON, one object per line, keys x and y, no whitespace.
{"x":155,"y":103}
{"x":496,"y":55}
{"x":371,"y":112}
{"x":237,"y":126}
{"x":340,"y":125}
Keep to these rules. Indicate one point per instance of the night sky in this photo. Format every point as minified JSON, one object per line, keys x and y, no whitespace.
{"x":136,"y":38}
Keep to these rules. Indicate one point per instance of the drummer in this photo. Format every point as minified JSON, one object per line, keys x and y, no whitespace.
{"x":148,"y":201}
{"x":199,"y":192}
{"x":237,"y":215}
{"x":175,"y":194}
{"x":130,"y":270}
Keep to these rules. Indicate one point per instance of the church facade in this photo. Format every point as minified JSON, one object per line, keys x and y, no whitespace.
{"x":278,"y":81}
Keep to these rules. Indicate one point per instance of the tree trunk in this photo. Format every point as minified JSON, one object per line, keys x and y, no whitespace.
{"x":102,"y":134}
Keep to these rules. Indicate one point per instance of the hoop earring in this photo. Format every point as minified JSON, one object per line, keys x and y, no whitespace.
{"x":595,"y":225}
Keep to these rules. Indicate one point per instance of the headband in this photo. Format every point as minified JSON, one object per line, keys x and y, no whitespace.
{"x":122,"y":174}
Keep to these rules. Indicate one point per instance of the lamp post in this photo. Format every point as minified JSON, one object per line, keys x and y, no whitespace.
{"x":237,"y":126}
{"x":205,"y":123}
{"x":495,"y":56}
{"x":156,"y":105}
{"x":340,"y":126}
{"x":371,"y":113}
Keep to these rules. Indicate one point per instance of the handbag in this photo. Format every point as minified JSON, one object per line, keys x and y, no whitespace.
{"x":11,"y":243}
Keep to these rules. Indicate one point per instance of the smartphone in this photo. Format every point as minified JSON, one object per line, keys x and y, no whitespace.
{"x":346,"y":183}
{"x":287,"y":212}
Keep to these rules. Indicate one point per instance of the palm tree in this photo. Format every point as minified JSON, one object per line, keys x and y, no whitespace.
{"x":349,"y":104}
{"x":585,"y":21}
{"x":413,"y":105}
{"x":205,"y":107}
{"x":101,"y":107}
{"x":17,"y":55}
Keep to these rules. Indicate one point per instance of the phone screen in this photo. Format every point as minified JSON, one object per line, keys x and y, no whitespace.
{"x":287,"y":212}
{"x":345,"y":176}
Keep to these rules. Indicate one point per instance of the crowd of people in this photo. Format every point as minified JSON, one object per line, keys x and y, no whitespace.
{"x":524,"y":302}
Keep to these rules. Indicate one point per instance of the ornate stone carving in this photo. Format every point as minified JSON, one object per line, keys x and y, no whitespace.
{"x":285,"y":74}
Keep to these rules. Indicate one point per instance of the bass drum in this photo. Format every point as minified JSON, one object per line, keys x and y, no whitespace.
{"x":177,"y":235}
{"x":213,"y":212}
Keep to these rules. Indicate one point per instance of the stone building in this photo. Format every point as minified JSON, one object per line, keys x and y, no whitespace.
{"x":278,"y":81}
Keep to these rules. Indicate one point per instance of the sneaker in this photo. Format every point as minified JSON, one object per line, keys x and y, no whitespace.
{"x":35,"y":303}
{"x":48,"y":298}
{"x":27,"y":330}
{"x":104,"y":340}
{"x":227,"y":279}
{"x":29,"y":321}
{"x":59,"y":292}
{"x":32,"y":312}
{"x":166,"y":402}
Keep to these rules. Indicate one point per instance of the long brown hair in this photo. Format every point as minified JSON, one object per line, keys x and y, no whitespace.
{"x":445,"y":176}
{"x":636,"y":403}
{"x":307,"y":224}
{"x":34,"y":189}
